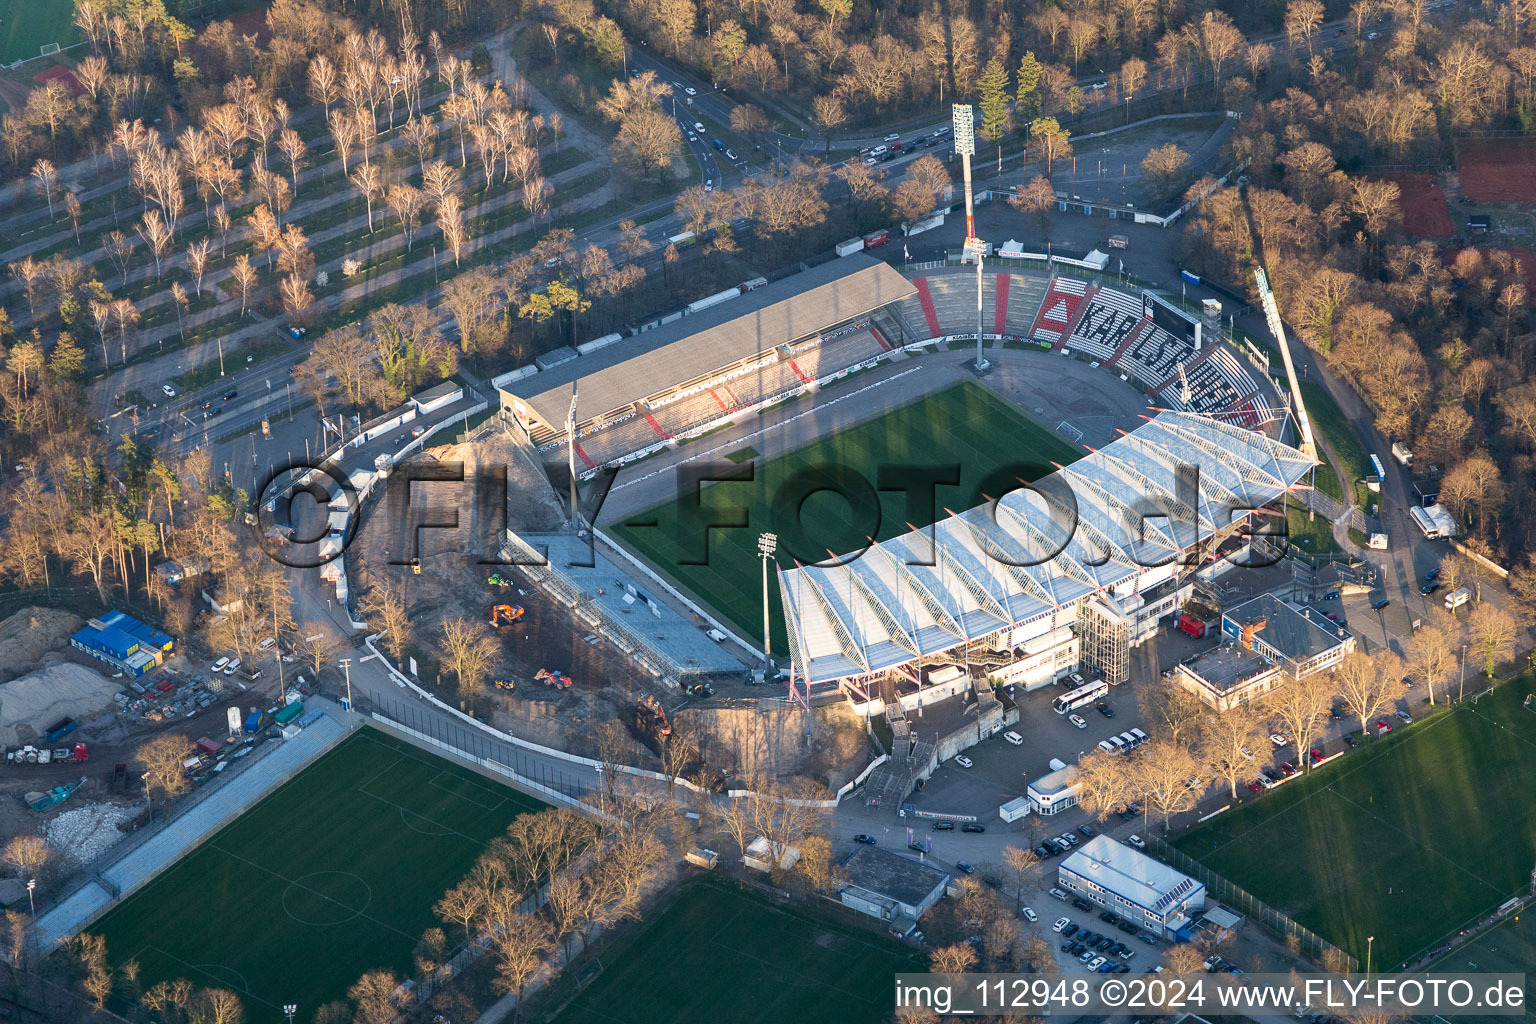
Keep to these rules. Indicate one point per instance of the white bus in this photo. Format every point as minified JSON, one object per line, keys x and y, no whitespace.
{"x":1086,"y":694}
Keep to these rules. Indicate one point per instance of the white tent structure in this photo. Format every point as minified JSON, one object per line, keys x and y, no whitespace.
{"x":1105,"y":539}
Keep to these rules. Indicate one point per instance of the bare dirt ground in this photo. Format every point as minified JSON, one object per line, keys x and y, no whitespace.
{"x":28,"y":633}
{"x":733,"y":732}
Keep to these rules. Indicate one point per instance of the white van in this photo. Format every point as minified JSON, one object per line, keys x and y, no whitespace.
{"x":1014,"y":738}
{"x":1142,"y":737}
{"x":1130,"y":740}
{"x":232,"y":667}
{"x":1106,"y":746}
{"x":218,"y":666}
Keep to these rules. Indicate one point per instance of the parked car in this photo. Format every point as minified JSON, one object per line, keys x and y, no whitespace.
{"x":1351,"y":740}
{"x":730,"y":154}
{"x":1406,"y":717}
{"x":1096,"y":963}
{"x":961,"y":865}
{"x":1288,"y":768}
{"x":893,"y":137}
{"x":1380,"y":603}
{"x":1078,"y":721}
{"x":1382,"y":726}
{"x":1429,"y":588}
{"x":1137,"y":842}
{"x":864,"y":840}
{"x":963,"y":761}
{"x":1255,"y":785}
{"x":1278,"y":740}
{"x":1030,"y":915}
{"x":1071,"y":929}
{"x":1087,"y":830}
{"x":170,"y":392}
{"x":917,"y":847}
{"x":1059,"y":895}
{"x":943,"y":826}
{"x":1105,"y":709}
{"x":971,"y":826}
{"x":1013,"y":738}
{"x":1081,"y":904}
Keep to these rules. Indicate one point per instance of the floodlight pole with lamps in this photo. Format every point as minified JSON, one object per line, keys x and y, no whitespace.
{"x":346,"y":667}
{"x":289,"y":1009}
{"x":1462,"y":689}
{"x":1369,"y":942}
{"x":964,"y":120}
{"x":767,"y":544}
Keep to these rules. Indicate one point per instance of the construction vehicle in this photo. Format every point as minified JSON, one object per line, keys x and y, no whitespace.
{"x":505,"y":684}
{"x":700,"y":690}
{"x":651,"y":704}
{"x":56,"y":795}
{"x":559,"y":680}
{"x":505,"y":614}
{"x":416,"y":566}
{"x":498,"y":580}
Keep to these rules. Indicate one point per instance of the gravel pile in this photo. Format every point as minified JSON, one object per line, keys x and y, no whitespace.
{"x":38,"y":699}
{"x":85,"y":833}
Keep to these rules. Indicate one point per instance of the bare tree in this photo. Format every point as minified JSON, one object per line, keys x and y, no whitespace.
{"x":1434,"y":651}
{"x":197,"y":262}
{"x":1300,"y":705}
{"x":1105,"y":783}
{"x":367,"y":180}
{"x":469,"y":652}
{"x":291,"y":143}
{"x":1493,"y":633}
{"x":519,"y":949}
{"x":377,"y":999}
{"x":47,"y":178}
{"x":406,"y":201}
{"x":1364,"y":685}
{"x":1020,"y":862}
{"x":1226,"y":742}
{"x":244,"y":275}
{"x":1162,"y":772}
{"x":157,"y":235}
{"x":164,"y":760}
{"x":386,"y":603}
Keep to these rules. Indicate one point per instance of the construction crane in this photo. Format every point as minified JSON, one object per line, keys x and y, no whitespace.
{"x":559,"y":680}
{"x":505,"y":614}
{"x":651,"y":704}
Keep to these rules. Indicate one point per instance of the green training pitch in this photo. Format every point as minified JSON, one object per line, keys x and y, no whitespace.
{"x":332,"y":875}
{"x":28,"y":25}
{"x":1506,"y":948}
{"x":1408,"y":839}
{"x":723,"y":953}
{"x":984,"y":440}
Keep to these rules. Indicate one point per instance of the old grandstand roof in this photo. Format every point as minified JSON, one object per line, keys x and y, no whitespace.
{"x":787,"y":310}
{"x":997,"y":566}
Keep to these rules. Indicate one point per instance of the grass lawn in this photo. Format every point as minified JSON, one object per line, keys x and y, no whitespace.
{"x":1508,"y":948}
{"x":726,"y":954}
{"x":964,"y":426}
{"x":1313,"y":538}
{"x":332,"y":875}
{"x":1441,"y":813}
{"x":30,"y":24}
{"x":1328,"y":420}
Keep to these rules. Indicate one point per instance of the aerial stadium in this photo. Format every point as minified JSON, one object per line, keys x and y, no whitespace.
{"x":1073,"y":571}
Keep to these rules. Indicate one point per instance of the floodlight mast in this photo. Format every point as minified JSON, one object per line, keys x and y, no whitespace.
{"x":570,"y":435}
{"x":965,"y":145}
{"x":1277,"y":328}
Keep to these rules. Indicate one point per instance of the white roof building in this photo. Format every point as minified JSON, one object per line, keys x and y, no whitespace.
{"x":1134,"y":886}
{"x":1111,"y":524}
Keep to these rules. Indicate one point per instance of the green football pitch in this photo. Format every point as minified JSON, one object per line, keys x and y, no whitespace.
{"x":1507,"y":948}
{"x":332,"y":875}
{"x":1407,"y":839}
{"x":27,"y":25}
{"x":720,"y":953}
{"x":987,"y":444}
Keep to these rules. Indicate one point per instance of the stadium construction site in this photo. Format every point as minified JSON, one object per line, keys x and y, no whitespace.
{"x":1171,"y":466}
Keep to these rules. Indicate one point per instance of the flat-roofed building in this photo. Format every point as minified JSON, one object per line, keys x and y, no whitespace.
{"x":1226,"y":675}
{"x":894,"y":888}
{"x":1300,"y":640}
{"x":1128,"y":883}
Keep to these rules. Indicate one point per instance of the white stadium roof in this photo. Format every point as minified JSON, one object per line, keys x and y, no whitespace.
{"x":981,"y":571}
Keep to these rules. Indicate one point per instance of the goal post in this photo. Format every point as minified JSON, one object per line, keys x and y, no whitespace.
{"x":48,"y":49}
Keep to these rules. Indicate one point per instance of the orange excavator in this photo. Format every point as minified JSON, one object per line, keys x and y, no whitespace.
{"x":559,"y":680}
{"x":502,"y":614}
{"x":651,"y":704}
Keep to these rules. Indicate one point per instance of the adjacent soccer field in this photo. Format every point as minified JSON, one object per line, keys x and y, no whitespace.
{"x":720,"y":953}
{"x":1407,"y":840}
{"x":1508,"y":948}
{"x":332,"y":875}
{"x":26,"y":25}
{"x":984,"y":440}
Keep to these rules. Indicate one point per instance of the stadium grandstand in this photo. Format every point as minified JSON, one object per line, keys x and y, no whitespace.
{"x":637,"y":394}
{"x":763,"y":345}
{"x":1076,"y":570}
